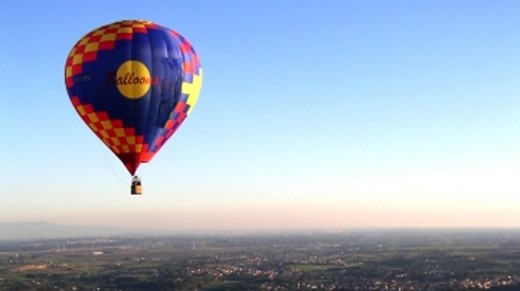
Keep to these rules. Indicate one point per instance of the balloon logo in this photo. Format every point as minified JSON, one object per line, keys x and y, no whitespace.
{"x":133,"y":83}
{"x":135,"y":79}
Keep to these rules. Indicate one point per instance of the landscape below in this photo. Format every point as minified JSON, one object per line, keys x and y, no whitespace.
{"x":323,"y":260}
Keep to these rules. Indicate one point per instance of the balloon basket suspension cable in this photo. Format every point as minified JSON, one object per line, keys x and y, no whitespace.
{"x":136,"y":188}
{"x":103,"y":150}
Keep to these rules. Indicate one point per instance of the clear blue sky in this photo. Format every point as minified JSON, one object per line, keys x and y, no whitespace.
{"x":312,"y":114}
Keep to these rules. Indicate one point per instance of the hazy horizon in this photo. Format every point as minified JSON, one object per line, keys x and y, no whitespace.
{"x":275,"y":218}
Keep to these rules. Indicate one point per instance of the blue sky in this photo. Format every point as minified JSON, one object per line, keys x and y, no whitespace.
{"x":312,"y":114}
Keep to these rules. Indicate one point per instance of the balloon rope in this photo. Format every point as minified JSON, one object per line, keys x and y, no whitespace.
{"x":110,"y":165}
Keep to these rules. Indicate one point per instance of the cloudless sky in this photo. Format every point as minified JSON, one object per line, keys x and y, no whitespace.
{"x":312,"y":114}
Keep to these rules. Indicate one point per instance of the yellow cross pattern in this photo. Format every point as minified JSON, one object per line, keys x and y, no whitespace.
{"x":193,"y":90}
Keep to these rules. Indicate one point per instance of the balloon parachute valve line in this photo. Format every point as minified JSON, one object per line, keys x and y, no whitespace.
{"x":136,"y":188}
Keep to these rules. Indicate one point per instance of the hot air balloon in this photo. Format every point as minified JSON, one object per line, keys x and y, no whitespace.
{"x":133,"y":83}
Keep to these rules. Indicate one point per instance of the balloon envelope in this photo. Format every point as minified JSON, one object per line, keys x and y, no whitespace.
{"x":133,"y":82}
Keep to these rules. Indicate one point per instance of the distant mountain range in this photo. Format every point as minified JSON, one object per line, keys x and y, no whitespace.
{"x":38,"y":230}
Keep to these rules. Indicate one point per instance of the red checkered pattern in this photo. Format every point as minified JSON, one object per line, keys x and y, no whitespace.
{"x":104,"y":38}
{"x":173,"y":124}
{"x":119,"y":139}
